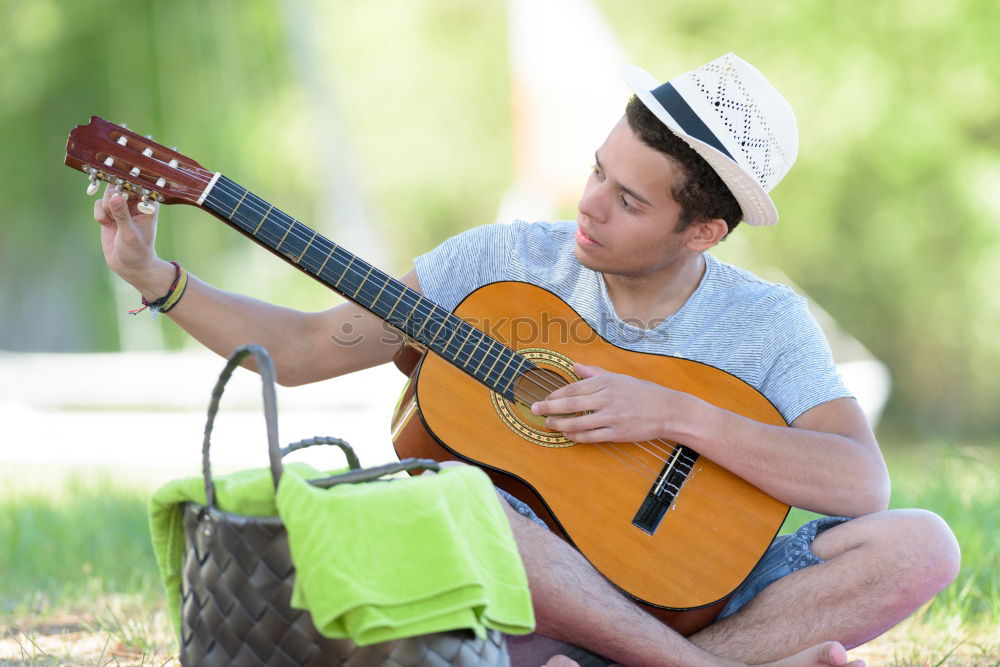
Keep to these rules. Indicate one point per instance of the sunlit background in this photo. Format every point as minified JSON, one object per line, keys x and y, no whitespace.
{"x":389,"y":125}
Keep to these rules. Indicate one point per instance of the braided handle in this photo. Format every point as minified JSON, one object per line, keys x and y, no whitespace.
{"x":352,"y":458}
{"x":369,"y":474}
{"x":266,"y":369}
{"x":267,"y":377}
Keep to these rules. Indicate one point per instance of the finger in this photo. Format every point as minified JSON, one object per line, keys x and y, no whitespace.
{"x":576,"y":423}
{"x":585,"y":371}
{"x":109,"y":191}
{"x":119,"y":209}
{"x":578,"y":388}
{"x":101,"y":214}
{"x":589,"y":436}
{"x":565,"y":406}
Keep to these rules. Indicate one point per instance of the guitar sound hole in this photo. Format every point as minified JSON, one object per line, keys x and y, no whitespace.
{"x":533,"y":386}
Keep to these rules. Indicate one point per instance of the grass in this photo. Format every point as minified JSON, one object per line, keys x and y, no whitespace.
{"x":84,"y":540}
{"x":79,"y":586}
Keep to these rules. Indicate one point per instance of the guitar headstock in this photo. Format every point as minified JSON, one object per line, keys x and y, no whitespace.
{"x":113,"y":153}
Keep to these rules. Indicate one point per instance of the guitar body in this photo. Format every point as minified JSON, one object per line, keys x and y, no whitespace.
{"x":716,"y":529}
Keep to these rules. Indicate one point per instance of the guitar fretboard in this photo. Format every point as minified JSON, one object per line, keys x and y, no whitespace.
{"x":474,"y":352}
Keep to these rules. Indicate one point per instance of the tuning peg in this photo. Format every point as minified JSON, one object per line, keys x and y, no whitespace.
{"x":94,"y":185}
{"x":149,"y":136}
{"x":145,"y":206}
{"x":124,"y":125}
{"x":123,"y":140}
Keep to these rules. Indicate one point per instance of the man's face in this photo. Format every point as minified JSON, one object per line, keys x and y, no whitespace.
{"x":627,"y":214}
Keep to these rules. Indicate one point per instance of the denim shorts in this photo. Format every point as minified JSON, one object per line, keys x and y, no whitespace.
{"x":787,"y":554}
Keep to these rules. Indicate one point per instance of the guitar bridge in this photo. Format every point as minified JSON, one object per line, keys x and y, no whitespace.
{"x":665,"y":489}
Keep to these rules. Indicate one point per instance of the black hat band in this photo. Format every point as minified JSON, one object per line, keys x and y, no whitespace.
{"x":685,"y":116}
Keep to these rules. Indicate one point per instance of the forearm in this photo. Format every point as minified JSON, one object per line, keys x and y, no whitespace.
{"x":305,"y":347}
{"x":821,"y":471}
{"x":222,"y":321}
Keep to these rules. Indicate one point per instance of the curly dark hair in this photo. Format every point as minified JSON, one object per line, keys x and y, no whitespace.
{"x":701,"y":193}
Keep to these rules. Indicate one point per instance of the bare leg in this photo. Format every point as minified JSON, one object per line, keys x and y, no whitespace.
{"x":880,"y":568}
{"x":575,"y":604}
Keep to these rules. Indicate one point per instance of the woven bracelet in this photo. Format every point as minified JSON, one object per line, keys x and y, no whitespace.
{"x":168,"y":300}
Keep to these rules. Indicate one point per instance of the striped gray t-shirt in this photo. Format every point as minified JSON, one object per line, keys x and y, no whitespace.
{"x":758,"y":331}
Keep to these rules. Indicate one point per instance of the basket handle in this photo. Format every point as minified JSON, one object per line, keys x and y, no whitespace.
{"x":267,"y":376}
{"x":369,"y":474}
{"x":266,"y":369}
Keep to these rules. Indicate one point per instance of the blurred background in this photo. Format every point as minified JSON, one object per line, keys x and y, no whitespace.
{"x":389,"y":125}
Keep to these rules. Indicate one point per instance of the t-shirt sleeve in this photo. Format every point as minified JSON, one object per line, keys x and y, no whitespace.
{"x":466,"y":262}
{"x":800,"y":371}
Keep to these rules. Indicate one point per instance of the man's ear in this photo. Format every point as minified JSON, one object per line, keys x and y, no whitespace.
{"x":705,"y":234}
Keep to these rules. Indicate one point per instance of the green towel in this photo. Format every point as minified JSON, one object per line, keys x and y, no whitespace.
{"x":248,"y":492}
{"x":384,"y":560}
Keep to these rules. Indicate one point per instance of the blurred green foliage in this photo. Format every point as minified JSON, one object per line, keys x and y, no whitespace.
{"x":888,"y":219}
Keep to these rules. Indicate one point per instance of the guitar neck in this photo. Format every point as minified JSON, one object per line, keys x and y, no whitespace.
{"x":472,"y":351}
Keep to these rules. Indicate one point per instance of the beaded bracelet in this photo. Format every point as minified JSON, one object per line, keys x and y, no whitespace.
{"x":170,"y":299}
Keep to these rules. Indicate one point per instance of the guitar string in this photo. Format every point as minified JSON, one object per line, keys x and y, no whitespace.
{"x":234,"y":190}
{"x":290,"y":230}
{"x":490,"y":353}
{"x":637,"y":444}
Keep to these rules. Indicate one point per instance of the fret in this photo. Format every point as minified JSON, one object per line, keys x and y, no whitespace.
{"x":505,"y":360}
{"x":444,"y":320}
{"x":333,"y":249}
{"x":346,"y":269}
{"x":285,"y":235}
{"x":293,"y":240}
{"x":427,"y":319}
{"x":362,"y":283}
{"x":493,"y":365}
{"x":245,"y":192}
{"x":401,"y":293}
{"x":454,"y":333}
{"x":468,"y":334}
{"x":488,"y":351}
{"x":409,"y":313}
{"x":266,"y":213}
{"x":509,"y":389}
{"x":471,"y":354}
{"x":385,"y":283}
{"x":311,"y":239}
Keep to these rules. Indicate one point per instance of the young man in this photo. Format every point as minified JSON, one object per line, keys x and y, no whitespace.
{"x":691,"y":158}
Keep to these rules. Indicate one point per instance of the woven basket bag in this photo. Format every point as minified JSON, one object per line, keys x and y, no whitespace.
{"x":238,"y":573}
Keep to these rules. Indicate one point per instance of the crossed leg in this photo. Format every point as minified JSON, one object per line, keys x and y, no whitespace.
{"x":879,"y":569}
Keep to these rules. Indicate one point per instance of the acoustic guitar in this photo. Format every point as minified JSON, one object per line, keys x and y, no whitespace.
{"x":666,"y":526}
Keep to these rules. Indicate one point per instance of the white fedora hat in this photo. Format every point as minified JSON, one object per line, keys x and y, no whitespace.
{"x":735,"y":119}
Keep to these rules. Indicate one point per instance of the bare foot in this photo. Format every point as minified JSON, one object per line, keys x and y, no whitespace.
{"x":827,"y":653}
{"x":561,"y":661}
